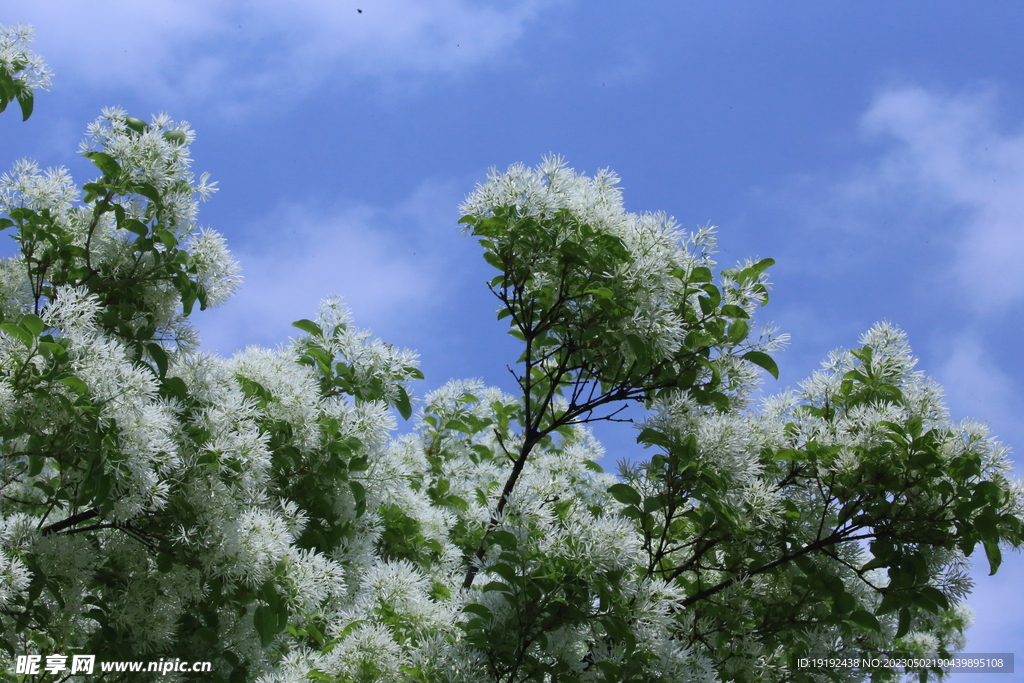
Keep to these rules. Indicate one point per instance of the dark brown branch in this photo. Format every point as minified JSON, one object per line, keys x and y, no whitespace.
{"x":834,"y":539}
{"x":71,"y":521}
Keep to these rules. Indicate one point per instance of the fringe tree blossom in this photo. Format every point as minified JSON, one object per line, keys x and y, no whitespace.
{"x":22,"y":72}
{"x":259,"y":512}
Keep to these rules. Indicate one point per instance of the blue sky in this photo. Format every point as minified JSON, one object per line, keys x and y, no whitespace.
{"x":875,"y":150}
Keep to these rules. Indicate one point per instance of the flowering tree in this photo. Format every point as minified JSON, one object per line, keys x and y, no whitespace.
{"x":255,"y":512}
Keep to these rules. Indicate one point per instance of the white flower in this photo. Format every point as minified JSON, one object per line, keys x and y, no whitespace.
{"x":18,"y":61}
{"x":316,"y":582}
{"x":217,"y":271}
{"x":367,"y":655}
{"x":14,"y":577}
{"x":28,"y":187}
{"x":570,"y":205}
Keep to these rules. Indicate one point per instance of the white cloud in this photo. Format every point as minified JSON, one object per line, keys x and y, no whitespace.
{"x":393,"y":267}
{"x":949,"y":151}
{"x":947,"y":159}
{"x":928,"y":230}
{"x":976,"y":385}
{"x":266,"y":50}
{"x":943,"y":195}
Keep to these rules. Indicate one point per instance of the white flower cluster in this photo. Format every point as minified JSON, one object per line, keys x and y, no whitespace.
{"x":258,"y":511}
{"x":157,"y":159}
{"x":14,"y":575}
{"x":26,"y":67}
{"x":157,"y":155}
{"x":549,"y":188}
{"x":648,"y":282}
{"x":26,"y":186}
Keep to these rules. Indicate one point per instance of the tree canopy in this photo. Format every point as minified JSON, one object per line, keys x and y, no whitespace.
{"x":258,"y":511}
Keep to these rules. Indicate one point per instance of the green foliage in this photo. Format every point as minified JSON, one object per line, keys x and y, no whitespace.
{"x":601,"y":324}
{"x":255,"y":512}
{"x":13,"y":88}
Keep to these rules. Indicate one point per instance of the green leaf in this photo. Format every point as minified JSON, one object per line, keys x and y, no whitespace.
{"x":166,"y":238}
{"x":174,"y":387}
{"x":504,"y":571}
{"x":866,"y":620}
{"x":309,"y":327}
{"x":52,"y":349}
{"x":763,"y":360}
{"x":625,"y":494}
{"x":188,"y":298}
{"x":315,"y":632}
{"x":202,"y":295}
{"x":138,"y":125}
{"x":106,"y":163}
{"x":790,"y":454}
{"x":987,"y":490}
{"x":149,"y":192}
{"x":652,"y":437}
{"x":934,"y":595}
{"x":175,"y":136}
{"x":738,"y":331}
{"x":994,"y":555}
{"x":986,"y":523}
{"x":402,"y":403}
{"x":904,"y":625}
{"x":458,"y":425}
{"x":701,"y":274}
{"x":804,"y":563}
{"x":863,"y":354}
{"x":654,"y":503}
{"x":47,"y":489}
{"x":479,"y":610}
{"x":497,"y":586}
{"x":265,"y":621}
{"x":35,"y":326}
{"x":506,"y":539}
{"x":35,"y":465}
{"x":359,"y":493}
{"x":159,"y":357}
{"x":25,"y":101}
{"x":136,"y":226}
{"x":18,"y":332}
{"x":494,"y":260}
{"x":638,"y":348}
{"x":164,"y":562}
{"x":734,"y":311}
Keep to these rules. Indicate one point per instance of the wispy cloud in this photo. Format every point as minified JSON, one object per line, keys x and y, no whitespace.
{"x":947,"y":156}
{"x":933,"y":218}
{"x":948,"y":150}
{"x":240,"y":53}
{"x":976,"y":385}
{"x":929,"y":227}
{"x":394,"y":267}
